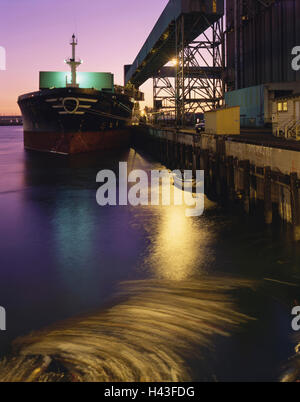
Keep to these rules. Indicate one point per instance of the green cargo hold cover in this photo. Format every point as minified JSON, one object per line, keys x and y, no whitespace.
{"x":57,"y":79}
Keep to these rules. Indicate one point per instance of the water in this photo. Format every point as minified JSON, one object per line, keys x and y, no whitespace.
{"x":135,"y":293}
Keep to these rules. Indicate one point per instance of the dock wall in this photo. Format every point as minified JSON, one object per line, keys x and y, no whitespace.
{"x":258,"y":176}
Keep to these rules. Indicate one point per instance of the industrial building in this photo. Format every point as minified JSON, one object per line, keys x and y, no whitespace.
{"x":260,"y":38}
{"x":286,"y":117}
{"x":256,"y":102}
{"x":248,"y":62}
{"x":195,"y":81}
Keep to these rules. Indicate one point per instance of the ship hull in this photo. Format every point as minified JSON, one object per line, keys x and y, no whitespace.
{"x":74,"y":120}
{"x":67,"y":143}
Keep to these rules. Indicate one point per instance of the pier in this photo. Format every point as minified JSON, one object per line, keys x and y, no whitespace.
{"x":259,"y":170}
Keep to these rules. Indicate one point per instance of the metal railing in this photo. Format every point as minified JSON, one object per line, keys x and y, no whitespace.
{"x":294,"y":130}
{"x":282,"y":128}
{"x":289,"y":129}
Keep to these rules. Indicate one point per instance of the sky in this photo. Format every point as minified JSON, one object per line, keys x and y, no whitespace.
{"x":36,"y":35}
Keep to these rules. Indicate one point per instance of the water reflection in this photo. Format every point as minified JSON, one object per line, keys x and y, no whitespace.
{"x":146,"y":336}
{"x":179,"y":246}
{"x":11,"y":160}
{"x":63,"y":256}
{"x":292,"y":373}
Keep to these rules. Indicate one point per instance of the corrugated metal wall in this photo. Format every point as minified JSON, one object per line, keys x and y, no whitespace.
{"x":260,"y":40}
{"x":251,"y":102}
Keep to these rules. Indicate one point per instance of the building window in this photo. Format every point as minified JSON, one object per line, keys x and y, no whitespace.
{"x":282,"y":107}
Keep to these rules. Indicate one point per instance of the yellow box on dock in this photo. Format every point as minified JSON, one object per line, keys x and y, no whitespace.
{"x":225,"y":121}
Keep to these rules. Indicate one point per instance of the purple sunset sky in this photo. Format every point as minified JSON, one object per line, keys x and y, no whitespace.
{"x":36,"y":36}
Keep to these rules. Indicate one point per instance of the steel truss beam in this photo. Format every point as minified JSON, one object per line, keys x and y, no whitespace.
{"x":197,"y":84}
{"x":164,"y":93}
{"x":266,"y":3}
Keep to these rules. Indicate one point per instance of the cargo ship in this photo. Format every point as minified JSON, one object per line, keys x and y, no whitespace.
{"x":76,"y":112}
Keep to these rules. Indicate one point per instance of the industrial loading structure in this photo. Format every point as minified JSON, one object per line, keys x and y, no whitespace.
{"x":261,"y":39}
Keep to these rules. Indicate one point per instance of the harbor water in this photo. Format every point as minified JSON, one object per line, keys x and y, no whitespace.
{"x":135,"y":293}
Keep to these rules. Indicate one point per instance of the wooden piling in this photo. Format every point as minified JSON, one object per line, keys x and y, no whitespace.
{"x":230,"y":177}
{"x":181,"y":150}
{"x":226,"y":176}
{"x":194,"y":156}
{"x":168,"y":153}
{"x":186,"y":157}
{"x":205,"y":159}
{"x":246,"y":185}
{"x":295,"y":199}
{"x":267,"y":195}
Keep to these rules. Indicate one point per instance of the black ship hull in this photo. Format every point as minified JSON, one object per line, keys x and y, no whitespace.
{"x":75,"y":120}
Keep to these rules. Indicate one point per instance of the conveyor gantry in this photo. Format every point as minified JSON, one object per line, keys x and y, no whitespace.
{"x":161,"y":45}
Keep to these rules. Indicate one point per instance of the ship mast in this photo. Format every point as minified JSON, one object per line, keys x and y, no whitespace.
{"x":73,"y":64}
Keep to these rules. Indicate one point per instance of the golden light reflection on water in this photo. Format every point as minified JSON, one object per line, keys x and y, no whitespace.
{"x":155,"y":326}
{"x":292,"y":373}
{"x":179,"y":244}
{"x":179,"y":247}
{"x":147,"y":336}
